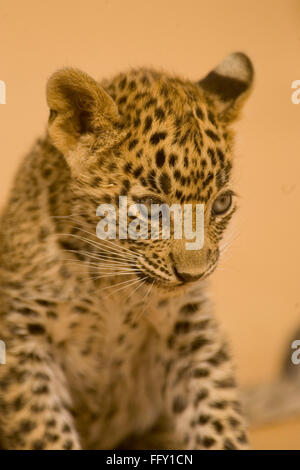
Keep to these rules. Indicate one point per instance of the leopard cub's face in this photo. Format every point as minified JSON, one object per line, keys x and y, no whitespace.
{"x":157,"y":144}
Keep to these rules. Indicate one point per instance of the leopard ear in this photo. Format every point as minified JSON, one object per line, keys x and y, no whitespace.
{"x":78,"y":106}
{"x":229,"y":84}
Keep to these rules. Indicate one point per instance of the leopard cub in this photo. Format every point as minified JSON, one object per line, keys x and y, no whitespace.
{"x":113,"y":343}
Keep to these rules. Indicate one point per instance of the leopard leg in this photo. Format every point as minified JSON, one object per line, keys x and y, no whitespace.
{"x":200,"y":390}
{"x":34,"y":398}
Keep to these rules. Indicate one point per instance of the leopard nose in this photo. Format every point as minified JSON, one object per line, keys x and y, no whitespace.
{"x":186,"y":277}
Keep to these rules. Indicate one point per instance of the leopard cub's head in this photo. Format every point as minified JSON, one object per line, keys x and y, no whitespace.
{"x":161,"y":143}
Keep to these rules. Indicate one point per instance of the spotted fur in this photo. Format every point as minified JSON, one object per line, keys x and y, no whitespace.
{"x":95,"y":362}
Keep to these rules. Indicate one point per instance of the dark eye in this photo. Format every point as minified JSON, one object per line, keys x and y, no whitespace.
{"x":222,"y":204}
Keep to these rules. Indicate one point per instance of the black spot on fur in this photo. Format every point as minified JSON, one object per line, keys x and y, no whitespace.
{"x":165,"y":183}
{"x":179,"y":404}
{"x":19,"y":402}
{"x":208,"y":179}
{"x":212,"y":135}
{"x":199,"y":113}
{"x":233,"y":422}
{"x":66,"y":428}
{"x":212,"y":156}
{"x":189,"y":309}
{"x":122,"y":83}
{"x":51,"y":423}
{"x":183,"y":327}
{"x":157,"y":137}
{"x":225,"y":383}
{"x":219,"y":427}
{"x":203,"y":419}
{"x":173,"y":159}
{"x":160,"y":158}
{"x":107,"y":198}
{"x":177,"y":175}
{"x":138,"y":171}
{"x":200,"y":373}
{"x":27,"y":311}
{"x":128,"y":167}
{"x":132,"y":85}
{"x":68,"y":444}
{"x":38,"y":444}
{"x":220,"y":357}
{"x":229,"y":445}
{"x":35,"y":329}
{"x":45,"y":303}
{"x":208,"y":442}
{"x":126,"y":184}
{"x":219,"y":405}
{"x":211,"y":118}
{"x":150,"y":102}
{"x":201,"y":395}
{"x":133,"y":144}
{"x":41,"y":390}
{"x":221,"y":156}
{"x":122,"y":100}
{"x":148,"y":124}
{"x":195,"y":345}
{"x":242,"y":438}
{"x":26,"y":426}
{"x":159,"y":114}
{"x":37,"y":408}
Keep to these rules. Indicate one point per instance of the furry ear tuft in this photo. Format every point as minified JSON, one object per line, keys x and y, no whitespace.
{"x":229,"y":84}
{"x":78,"y":105}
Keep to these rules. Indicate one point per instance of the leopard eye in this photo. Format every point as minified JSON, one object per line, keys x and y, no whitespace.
{"x":222,"y":204}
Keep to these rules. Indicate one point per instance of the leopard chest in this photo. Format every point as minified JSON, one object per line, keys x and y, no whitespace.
{"x":114,"y":368}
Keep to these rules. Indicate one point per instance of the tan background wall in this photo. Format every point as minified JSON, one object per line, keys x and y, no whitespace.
{"x":257,"y":287}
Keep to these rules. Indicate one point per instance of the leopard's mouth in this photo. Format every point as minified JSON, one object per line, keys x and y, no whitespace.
{"x":151,"y":278}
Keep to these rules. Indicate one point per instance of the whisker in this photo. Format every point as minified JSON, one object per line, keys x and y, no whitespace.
{"x":104,"y":253}
{"x":95,"y":245}
{"x":128,"y":283}
{"x":143,"y":300}
{"x":135,"y":289}
{"x":90,"y":278}
{"x":118,"y":284}
{"x":107,"y":241}
{"x":101,"y":268}
{"x":115,"y":245}
{"x":99,"y":257}
{"x":105,"y":263}
{"x":121,"y":273}
{"x":66,"y":216}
